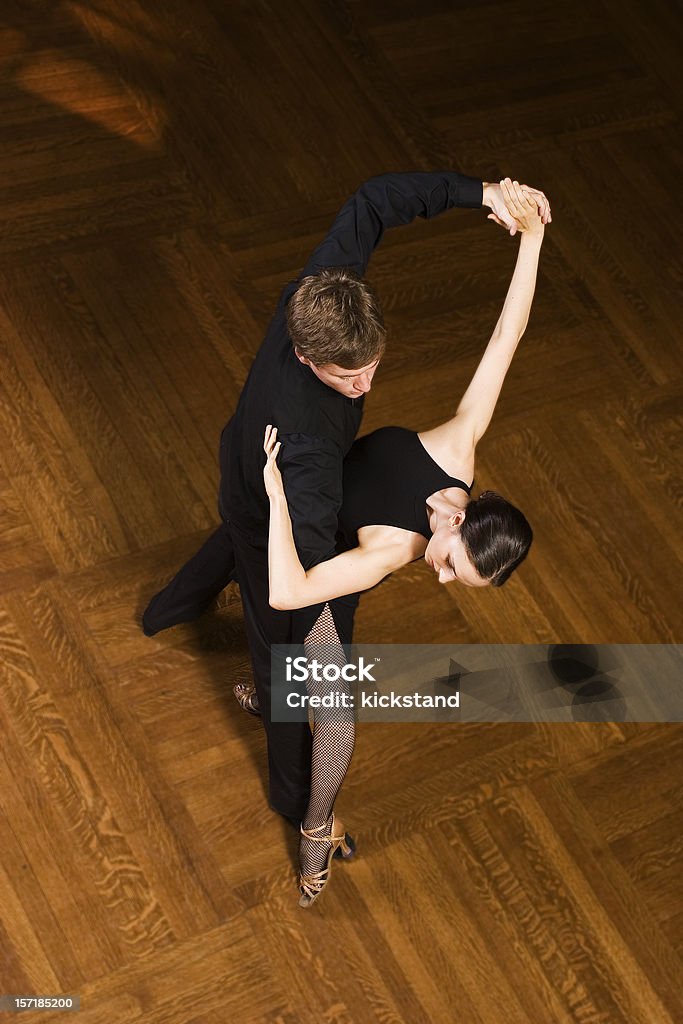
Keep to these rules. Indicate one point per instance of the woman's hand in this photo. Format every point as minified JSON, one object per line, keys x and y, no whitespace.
{"x":271,"y":473}
{"x":492,"y":196}
{"x":522,"y":207}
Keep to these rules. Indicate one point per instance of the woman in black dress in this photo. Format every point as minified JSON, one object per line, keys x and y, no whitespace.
{"x":406,"y":496}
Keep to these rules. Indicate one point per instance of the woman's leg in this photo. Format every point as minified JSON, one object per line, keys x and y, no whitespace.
{"x":333,"y":741}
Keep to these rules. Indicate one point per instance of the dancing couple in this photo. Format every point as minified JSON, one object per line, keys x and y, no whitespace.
{"x":335,"y":517}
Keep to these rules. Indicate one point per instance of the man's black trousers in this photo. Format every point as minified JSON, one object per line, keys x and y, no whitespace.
{"x":230,"y":555}
{"x":227,"y":555}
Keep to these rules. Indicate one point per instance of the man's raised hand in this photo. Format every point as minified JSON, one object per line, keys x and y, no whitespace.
{"x":494,"y":198}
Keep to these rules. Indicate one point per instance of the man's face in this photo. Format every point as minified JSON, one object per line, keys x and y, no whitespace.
{"x":352,"y":383}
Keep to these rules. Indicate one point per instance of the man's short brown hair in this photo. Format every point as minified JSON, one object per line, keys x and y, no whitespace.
{"x":335,"y":317}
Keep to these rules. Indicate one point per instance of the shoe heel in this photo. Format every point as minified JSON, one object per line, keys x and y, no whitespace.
{"x":346,"y":849}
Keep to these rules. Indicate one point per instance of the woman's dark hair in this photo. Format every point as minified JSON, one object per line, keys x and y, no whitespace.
{"x":496,"y":535}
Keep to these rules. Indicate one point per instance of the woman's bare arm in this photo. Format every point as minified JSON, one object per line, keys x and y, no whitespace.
{"x":291,"y":586}
{"x":479,"y":401}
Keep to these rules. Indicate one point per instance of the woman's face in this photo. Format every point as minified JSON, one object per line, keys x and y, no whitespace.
{"x":446,"y":554}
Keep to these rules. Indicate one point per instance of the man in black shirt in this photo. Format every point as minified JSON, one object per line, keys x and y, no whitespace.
{"x":309,"y":379}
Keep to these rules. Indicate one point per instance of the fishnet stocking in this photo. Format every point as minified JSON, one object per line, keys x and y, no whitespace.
{"x":333,"y":740}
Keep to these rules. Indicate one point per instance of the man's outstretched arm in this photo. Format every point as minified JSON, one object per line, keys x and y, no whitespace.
{"x":389,"y":200}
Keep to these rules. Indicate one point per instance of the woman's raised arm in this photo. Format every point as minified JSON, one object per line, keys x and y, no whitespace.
{"x":477,"y":404}
{"x":291,"y":586}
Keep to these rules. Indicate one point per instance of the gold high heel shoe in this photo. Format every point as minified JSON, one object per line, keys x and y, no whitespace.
{"x":245,"y":693}
{"x":312,"y":885}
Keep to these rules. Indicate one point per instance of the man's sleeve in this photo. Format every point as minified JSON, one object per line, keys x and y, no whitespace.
{"x":387,"y":201}
{"x":311,"y":469}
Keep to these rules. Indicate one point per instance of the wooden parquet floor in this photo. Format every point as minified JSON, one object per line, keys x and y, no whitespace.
{"x":165,"y":169}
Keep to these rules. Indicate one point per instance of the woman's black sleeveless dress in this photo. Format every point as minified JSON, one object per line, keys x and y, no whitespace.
{"x":388,"y":476}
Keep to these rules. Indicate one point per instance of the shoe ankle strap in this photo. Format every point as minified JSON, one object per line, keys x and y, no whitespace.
{"x":307,"y":832}
{"x":333,"y":834}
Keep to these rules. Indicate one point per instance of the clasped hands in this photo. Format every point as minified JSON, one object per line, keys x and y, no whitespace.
{"x":502,"y":199}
